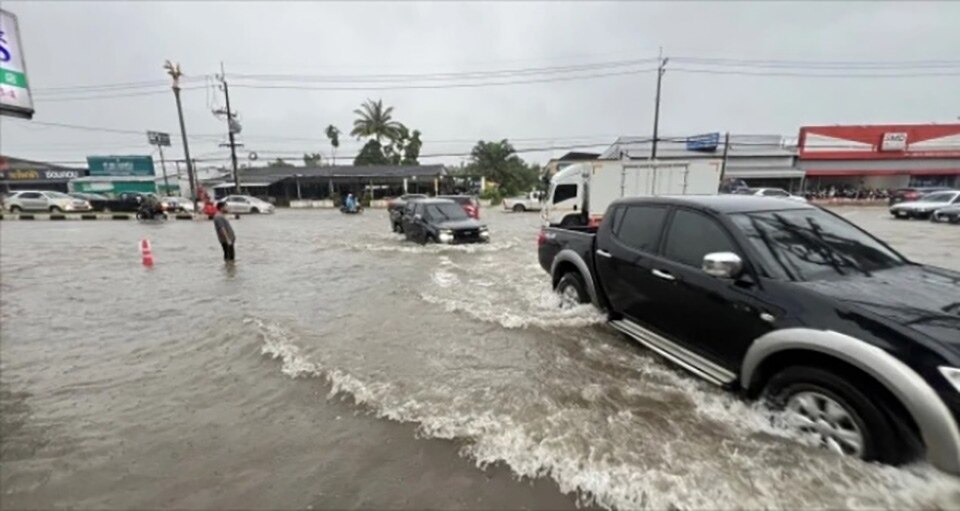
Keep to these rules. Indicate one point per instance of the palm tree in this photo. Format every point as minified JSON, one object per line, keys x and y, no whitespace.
{"x":333,"y":134}
{"x":375,"y":121}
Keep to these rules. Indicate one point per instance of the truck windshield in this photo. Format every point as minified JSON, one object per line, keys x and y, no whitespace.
{"x":443,"y":212}
{"x":810,"y":244}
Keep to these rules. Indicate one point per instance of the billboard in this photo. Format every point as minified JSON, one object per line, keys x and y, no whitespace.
{"x":15,"y":98}
{"x":879,"y":142}
{"x":707,"y":142}
{"x":120,"y":165}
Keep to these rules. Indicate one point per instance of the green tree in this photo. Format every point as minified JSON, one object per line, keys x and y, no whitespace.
{"x":375,"y":121}
{"x":333,"y":135}
{"x":499,"y":163}
{"x":312,"y":159}
{"x":280,"y":163}
{"x":371,"y":154}
{"x":411,"y":152}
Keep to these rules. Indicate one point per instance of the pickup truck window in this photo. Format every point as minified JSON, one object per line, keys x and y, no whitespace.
{"x":564,"y":192}
{"x":809,"y":244}
{"x":640,"y":227}
{"x":692,"y":236}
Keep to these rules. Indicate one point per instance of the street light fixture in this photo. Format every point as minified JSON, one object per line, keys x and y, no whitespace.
{"x":175,"y":73}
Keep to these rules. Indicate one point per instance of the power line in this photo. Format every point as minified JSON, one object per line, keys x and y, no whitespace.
{"x":812,"y":75}
{"x":106,"y":95}
{"x":821,"y":64}
{"x":106,"y":130}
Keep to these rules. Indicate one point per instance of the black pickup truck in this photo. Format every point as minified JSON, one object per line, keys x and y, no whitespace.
{"x":782,"y":301}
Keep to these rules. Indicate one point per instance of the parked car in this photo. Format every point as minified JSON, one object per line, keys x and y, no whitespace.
{"x":441,"y":221}
{"x":913,"y":193}
{"x":97,"y":202}
{"x":126,"y":202}
{"x":948,"y":214}
{"x":531,"y":201}
{"x":779,"y":193}
{"x":395,"y":209}
{"x":785,"y":301}
{"x":246,"y":204}
{"x":926,"y":205}
{"x":53,"y":202}
{"x":469,"y":204}
{"x":177,"y":204}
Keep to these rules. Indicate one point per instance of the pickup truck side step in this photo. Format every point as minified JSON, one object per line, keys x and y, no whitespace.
{"x":683,"y":357}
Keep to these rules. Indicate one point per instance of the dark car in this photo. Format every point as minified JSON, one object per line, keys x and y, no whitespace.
{"x":469,"y":204}
{"x":441,"y":221}
{"x":913,"y":193}
{"x":97,"y":202}
{"x":784,"y":301}
{"x":126,"y":202}
{"x":395,"y":209}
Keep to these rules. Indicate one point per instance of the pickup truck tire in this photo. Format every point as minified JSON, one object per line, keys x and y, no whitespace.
{"x":835,"y":407}
{"x":15,"y":209}
{"x":518,"y":208}
{"x":572,"y":290}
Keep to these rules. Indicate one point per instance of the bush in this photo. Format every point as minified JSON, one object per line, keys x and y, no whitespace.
{"x":494,"y":195}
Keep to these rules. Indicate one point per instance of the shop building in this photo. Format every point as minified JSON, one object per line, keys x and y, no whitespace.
{"x":19,"y":174}
{"x":759,"y":160}
{"x":888,"y":156}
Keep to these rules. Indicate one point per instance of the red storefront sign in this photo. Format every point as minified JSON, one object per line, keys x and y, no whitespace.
{"x":879,"y":142}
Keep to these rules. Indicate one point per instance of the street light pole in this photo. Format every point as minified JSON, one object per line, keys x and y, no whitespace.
{"x":230,"y":128}
{"x":656,"y":110}
{"x":163,"y":168}
{"x":174,"y":71}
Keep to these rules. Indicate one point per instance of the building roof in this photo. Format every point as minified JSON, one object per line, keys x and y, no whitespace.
{"x":579,"y":156}
{"x":9,"y":162}
{"x":722,"y":203}
{"x":270,"y":175}
{"x":676,"y":147}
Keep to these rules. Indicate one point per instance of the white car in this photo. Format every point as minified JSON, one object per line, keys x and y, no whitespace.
{"x":178,"y":204}
{"x":926,"y":206}
{"x":246,"y":204}
{"x":53,"y":202}
{"x":530,"y":202}
{"x":775,"y":193}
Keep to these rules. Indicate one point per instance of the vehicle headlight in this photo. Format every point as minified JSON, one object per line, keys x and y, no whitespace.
{"x":445,"y":236}
{"x":952,"y":374}
{"x":484,"y":232}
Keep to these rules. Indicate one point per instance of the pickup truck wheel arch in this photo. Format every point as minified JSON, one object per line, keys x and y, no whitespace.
{"x":930,"y":415}
{"x":567,"y":260}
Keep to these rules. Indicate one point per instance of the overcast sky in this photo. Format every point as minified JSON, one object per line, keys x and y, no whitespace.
{"x":80,"y":44}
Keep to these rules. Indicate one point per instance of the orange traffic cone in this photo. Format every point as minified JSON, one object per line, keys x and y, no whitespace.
{"x":146,"y":253}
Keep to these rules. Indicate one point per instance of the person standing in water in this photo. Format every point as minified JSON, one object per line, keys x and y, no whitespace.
{"x":224,"y":233}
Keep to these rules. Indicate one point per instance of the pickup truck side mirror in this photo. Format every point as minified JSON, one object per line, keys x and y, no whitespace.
{"x":726,"y":265}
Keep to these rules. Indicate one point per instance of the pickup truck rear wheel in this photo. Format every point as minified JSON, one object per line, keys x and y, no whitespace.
{"x":836,"y":410}
{"x":518,"y":208}
{"x":572,"y":290}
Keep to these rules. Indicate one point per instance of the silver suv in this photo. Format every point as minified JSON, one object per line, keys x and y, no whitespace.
{"x":53,"y":202}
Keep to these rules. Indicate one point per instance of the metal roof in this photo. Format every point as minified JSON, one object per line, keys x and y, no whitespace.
{"x":274,"y":174}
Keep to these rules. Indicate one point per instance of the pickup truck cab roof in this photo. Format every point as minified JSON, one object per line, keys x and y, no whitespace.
{"x":721,"y":203}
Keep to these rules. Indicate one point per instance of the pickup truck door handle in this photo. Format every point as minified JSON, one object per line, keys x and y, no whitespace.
{"x":662,"y":275}
{"x":603,"y":253}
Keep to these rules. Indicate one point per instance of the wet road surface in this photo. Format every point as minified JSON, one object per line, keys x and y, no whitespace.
{"x":337,"y":366}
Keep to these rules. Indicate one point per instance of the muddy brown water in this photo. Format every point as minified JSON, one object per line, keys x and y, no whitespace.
{"x":336,"y":366}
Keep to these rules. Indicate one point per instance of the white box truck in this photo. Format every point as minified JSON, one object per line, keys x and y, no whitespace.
{"x":580,"y":193}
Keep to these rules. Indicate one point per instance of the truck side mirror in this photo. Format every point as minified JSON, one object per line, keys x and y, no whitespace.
{"x":725,"y":265}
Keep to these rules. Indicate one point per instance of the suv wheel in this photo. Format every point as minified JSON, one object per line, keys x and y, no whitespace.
{"x":519,"y":208}
{"x":254,"y":211}
{"x":55,"y":209}
{"x":836,"y":410}
{"x":572,"y":290}
{"x":15,"y":209}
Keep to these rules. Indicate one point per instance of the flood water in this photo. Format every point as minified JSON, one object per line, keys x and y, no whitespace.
{"x":335,"y":365}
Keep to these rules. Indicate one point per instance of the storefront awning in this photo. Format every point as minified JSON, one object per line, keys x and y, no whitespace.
{"x":884,"y":172}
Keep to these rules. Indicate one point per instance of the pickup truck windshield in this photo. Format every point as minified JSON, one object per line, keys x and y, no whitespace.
{"x":444,"y":212}
{"x":810,"y":244}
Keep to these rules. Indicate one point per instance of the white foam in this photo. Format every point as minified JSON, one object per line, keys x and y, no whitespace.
{"x":741,"y":471}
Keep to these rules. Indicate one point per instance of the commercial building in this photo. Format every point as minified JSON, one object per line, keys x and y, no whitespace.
{"x":759,"y":160}
{"x":885,"y":156}
{"x":286,"y":184}
{"x":19,"y":174}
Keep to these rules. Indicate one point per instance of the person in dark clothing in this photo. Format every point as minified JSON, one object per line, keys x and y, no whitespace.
{"x":224,"y":233}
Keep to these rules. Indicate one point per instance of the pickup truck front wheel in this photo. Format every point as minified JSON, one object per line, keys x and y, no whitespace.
{"x":838,"y":412}
{"x":572,"y":290}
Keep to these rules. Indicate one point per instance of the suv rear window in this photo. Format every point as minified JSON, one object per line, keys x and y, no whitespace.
{"x":639,"y":227}
{"x":692,"y":236}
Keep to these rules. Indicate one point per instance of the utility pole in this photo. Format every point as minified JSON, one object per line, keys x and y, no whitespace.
{"x":726,"y":150}
{"x":656,"y":110}
{"x":232,"y":127}
{"x":174,"y":71}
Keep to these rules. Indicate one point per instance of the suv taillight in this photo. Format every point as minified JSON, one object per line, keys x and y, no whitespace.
{"x":541,"y":238}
